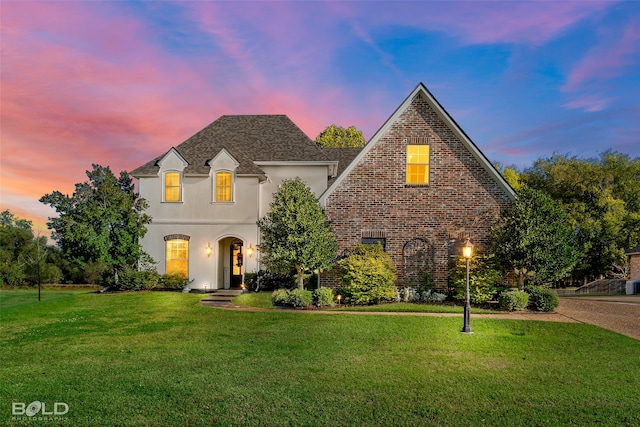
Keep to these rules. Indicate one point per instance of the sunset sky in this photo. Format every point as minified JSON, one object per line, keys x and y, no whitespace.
{"x":118,"y":83}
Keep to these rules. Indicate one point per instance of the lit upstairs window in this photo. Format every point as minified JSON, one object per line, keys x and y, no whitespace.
{"x":417,"y":164}
{"x":172,"y":187}
{"x":224,"y":185}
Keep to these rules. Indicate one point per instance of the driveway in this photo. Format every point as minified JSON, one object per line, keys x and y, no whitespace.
{"x":618,"y":313}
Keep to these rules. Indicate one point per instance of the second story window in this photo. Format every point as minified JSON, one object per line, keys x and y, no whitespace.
{"x":172,"y":187}
{"x":224,"y":187}
{"x":417,"y":164}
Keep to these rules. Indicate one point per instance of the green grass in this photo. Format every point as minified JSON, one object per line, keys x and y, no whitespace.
{"x":159,"y":359}
{"x":254,"y":299}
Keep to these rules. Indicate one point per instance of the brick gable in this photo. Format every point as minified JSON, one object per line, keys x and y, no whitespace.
{"x":422,"y":225}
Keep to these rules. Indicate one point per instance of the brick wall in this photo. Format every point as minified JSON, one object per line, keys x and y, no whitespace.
{"x":634,"y":266}
{"x":461,"y":200}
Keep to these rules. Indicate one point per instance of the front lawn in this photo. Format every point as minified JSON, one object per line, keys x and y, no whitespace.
{"x":160,"y":359}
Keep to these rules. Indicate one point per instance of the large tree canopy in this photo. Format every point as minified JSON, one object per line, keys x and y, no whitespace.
{"x":602,"y":199}
{"x":338,"y":137}
{"x":101,"y":222}
{"x":296,"y":234}
{"x":533,"y":236}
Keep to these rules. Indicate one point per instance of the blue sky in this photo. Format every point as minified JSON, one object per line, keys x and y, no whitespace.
{"x":117,"y":83}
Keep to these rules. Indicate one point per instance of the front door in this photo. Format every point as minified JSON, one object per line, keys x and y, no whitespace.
{"x":236,"y":260}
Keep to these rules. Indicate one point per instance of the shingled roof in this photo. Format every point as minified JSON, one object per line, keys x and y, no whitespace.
{"x":344,"y":157}
{"x":249,"y":139}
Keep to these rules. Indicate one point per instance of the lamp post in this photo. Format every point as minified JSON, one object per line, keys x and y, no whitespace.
{"x":467,"y":252}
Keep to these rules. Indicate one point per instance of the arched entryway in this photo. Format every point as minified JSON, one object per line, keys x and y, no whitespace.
{"x":230,"y":262}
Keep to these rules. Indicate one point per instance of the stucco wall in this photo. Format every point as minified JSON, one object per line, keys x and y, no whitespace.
{"x":207,"y":222}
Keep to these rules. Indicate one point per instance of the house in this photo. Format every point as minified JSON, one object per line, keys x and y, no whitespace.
{"x":419,"y":188}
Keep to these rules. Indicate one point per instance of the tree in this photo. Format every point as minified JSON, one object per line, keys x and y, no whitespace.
{"x":24,"y":259}
{"x":16,"y":242}
{"x":101,"y":222}
{"x":602,"y":199}
{"x":533,"y":235}
{"x":338,"y":137}
{"x":296,"y":235}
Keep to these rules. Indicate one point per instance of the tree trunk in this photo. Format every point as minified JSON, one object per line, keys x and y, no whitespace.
{"x":300,"y":277}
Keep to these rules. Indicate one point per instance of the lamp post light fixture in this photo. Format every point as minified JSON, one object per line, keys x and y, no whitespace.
{"x":467,"y":253}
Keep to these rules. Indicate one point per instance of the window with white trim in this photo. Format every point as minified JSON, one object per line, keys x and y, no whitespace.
{"x":172,"y":187}
{"x":224,"y":187}
{"x":417,"y":164}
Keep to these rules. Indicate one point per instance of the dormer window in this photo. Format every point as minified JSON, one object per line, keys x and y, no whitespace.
{"x":172,"y":187}
{"x":224,"y":187}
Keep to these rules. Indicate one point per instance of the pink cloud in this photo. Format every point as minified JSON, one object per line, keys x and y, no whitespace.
{"x":589,"y":103}
{"x":527,"y":22}
{"x":607,"y":59}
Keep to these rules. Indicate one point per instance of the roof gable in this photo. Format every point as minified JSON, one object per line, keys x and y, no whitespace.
{"x":422,"y":91}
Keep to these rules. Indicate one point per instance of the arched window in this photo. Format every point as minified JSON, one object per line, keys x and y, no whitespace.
{"x":172,"y":187}
{"x":224,"y":187}
{"x":177,"y":256}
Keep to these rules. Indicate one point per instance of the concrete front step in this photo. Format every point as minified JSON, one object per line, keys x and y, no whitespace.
{"x":222,"y":295}
{"x":227,"y":292}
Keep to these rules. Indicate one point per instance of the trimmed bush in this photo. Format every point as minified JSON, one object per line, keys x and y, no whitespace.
{"x":513,"y":300}
{"x":541,"y":299}
{"x":300,"y":298}
{"x":280,"y":297}
{"x":173,"y":282}
{"x":323,"y":296}
{"x":368,"y":274}
{"x":292,"y":298}
{"x":131,"y":279}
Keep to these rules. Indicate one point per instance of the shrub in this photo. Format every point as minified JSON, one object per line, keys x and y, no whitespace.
{"x":323,"y":296}
{"x":174,"y":281}
{"x":267,"y":281}
{"x":513,"y":300}
{"x":484,"y":276}
{"x":280,"y":297}
{"x":300,"y":298}
{"x":368,"y":274}
{"x":131,"y":279}
{"x":251,"y":281}
{"x":541,"y":299}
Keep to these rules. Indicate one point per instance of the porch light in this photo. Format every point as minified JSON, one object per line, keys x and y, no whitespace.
{"x":208,"y":249}
{"x":467,"y":252}
{"x":250,"y":251}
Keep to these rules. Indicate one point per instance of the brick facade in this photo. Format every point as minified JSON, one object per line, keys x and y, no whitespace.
{"x":634,"y":266}
{"x":422,"y":226}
